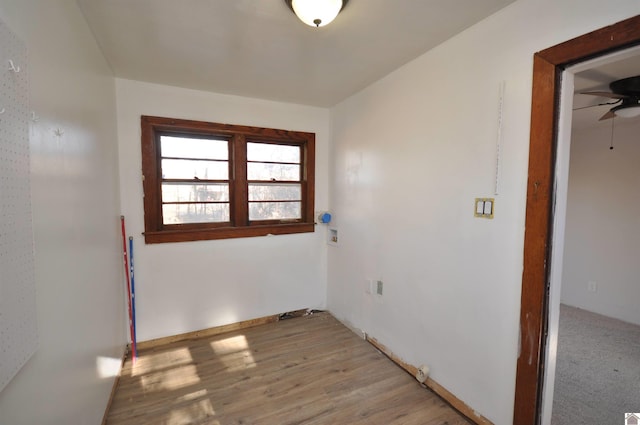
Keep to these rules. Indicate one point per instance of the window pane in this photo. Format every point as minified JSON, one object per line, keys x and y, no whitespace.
{"x":273,"y":153}
{"x":185,"y":169}
{"x":281,"y":172}
{"x":186,"y":192}
{"x":194,"y":213}
{"x":275,"y":192}
{"x":274,"y":210}
{"x":184,"y":147}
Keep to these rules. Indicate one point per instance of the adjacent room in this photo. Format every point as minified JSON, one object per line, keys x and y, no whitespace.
{"x":342,"y":202}
{"x":598,"y":360}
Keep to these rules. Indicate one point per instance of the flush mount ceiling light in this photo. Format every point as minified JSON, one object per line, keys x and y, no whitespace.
{"x":316,"y":13}
{"x":627,"y":111}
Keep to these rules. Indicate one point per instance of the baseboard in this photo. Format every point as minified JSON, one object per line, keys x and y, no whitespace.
{"x":450,"y":398}
{"x":114,"y":386}
{"x":217,"y":330}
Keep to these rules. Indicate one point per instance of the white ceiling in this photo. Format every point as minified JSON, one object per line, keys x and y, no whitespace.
{"x":258,"y":48}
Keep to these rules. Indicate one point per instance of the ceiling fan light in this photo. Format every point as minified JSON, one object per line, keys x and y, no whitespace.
{"x":628,"y":111}
{"x":317,"y":13}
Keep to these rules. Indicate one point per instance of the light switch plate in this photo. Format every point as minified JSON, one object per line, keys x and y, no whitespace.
{"x":484,"y":207}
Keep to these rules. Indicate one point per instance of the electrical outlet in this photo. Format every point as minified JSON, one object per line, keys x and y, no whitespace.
{"x":379,"y":287}
{"x":592,"y":286}
{"x":422,"y":373}
{"x":368,"y":286}
{"x":333,"y":237}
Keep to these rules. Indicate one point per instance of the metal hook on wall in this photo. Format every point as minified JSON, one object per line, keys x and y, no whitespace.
{"x":13,"y":67}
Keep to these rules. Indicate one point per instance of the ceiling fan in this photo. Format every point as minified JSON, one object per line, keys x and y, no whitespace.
{"x":627,"y":91}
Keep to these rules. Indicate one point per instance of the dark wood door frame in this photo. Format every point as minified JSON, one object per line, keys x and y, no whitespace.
{"x":548,"y":66}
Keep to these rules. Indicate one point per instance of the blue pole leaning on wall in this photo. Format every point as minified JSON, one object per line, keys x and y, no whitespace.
{"x":133,"y":298}
{"x":127,"y":269}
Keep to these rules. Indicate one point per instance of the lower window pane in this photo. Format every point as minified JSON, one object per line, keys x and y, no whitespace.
{"x":274,"y":210}
{"x":187,"y":192}
{"x":194,"y":213}
{"x":275,"y":192}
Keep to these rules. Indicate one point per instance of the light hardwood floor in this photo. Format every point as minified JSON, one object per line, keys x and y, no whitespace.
{"x":307,"y":370}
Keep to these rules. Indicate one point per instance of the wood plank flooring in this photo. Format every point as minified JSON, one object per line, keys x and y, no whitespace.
{"x":309,"y":370}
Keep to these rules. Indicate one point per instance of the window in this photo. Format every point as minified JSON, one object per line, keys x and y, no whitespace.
{"x":214,"y":181}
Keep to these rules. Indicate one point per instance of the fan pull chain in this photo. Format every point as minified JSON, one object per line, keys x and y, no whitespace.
{"x":613,"y":120}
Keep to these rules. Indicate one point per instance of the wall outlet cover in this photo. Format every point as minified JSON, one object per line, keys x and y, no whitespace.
{"x":368,"y":287}
{"x":422,"y":374}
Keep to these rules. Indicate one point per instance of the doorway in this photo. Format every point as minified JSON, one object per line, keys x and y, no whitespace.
{"x":539,"y":252}
{"x":595,"y":236}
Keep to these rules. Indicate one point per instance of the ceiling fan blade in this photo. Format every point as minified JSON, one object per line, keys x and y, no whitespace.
{"x":610,"y":114}
{"x":606,"y":94}
{"x":598,"y":104}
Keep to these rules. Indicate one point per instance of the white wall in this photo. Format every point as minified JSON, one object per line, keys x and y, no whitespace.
{"x":75,"y":204}
{"x":602,"y":237}
{"x":410,"y":154}
{"x":182,"y":287}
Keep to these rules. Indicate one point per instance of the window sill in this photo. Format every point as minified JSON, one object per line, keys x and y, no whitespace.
{"x":190,"y":235}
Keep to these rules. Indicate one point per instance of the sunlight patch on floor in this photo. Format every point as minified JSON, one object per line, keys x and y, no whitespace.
{"x":170,"y":379}
{"x":155,"y":361}
{"x":193,"y":396}
{"x":195,"y":412}
{"x":234,"y":353}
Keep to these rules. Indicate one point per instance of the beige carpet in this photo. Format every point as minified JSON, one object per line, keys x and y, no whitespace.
{"x":598,"y":369}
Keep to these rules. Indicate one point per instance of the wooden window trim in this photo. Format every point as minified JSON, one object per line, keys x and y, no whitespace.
{"x":239,"y":225}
